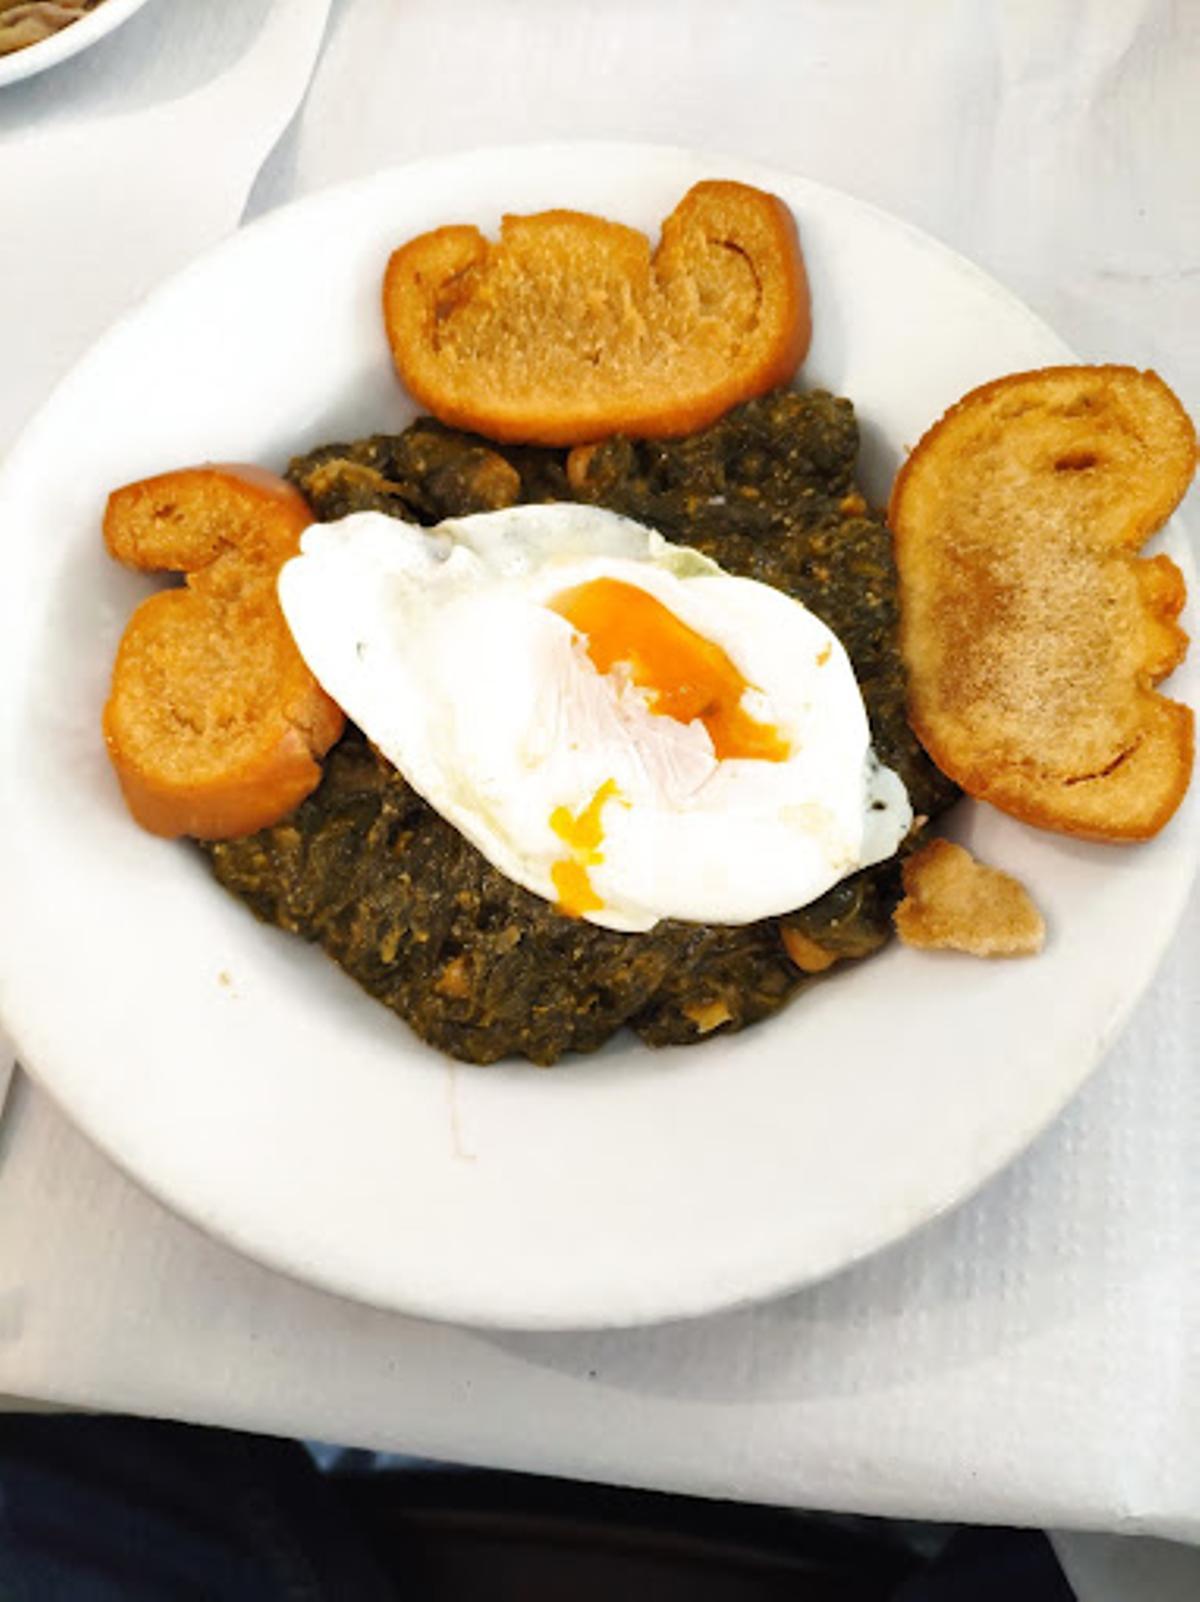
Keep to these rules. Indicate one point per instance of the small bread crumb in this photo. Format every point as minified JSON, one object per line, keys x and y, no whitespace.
{"x":808,"y":956}
{"x":579,"y":460}
{"x":708,"y":1015}
{"x":954,"y":903}
{"x":454,"y":981}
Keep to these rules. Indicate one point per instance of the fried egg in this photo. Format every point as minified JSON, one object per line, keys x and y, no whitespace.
{"x":615,"y":722}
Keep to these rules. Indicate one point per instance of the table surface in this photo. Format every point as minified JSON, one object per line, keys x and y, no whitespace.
{"x":1033,"y":1356}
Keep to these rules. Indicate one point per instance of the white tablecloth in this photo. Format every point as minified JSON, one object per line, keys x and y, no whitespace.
{"x":1036,"y":1356}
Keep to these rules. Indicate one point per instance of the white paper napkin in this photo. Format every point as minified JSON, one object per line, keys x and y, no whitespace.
{"x":1035,"y":1357}
{"x":121,"y":164}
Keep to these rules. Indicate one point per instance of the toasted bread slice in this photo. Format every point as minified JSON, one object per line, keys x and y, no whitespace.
{"x":954,"y":903}
{"x":568,"y":329}
{"x":1032,"y":634}
{"x":213,"y":723}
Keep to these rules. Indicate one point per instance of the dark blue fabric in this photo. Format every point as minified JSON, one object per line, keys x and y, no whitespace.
{"x":991,"y":1566}
{"x":128,"y":1510}
{"x":99,"y":1509}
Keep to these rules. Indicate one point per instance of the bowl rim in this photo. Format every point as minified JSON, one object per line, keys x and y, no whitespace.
{"x":68,"y":41}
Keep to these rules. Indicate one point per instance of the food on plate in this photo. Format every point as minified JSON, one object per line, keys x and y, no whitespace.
{"x":770,"y":494}
{"x":28,"y":22}
{"x":1032,"y":632}
{"x":480,"y":966}
{"x":852,"y":921}
{"x":613,"y":721}
{"x":214,"y":724}
{"x":569,"y":328}
{"x":952,"y":902}
{"x":631,"y":739}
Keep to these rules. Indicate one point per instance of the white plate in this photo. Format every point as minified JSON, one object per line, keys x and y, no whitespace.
{"x":244,"y":1080}
{"x":68,"y":41}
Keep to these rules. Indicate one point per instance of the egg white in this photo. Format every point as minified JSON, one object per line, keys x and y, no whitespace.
{"x":441,"y":645}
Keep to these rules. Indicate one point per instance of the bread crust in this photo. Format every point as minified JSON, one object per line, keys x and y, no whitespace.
{"x":184,"y":545}
{"x":241,"y":799}
{"x":953,"y":902}
{"x":452,"y":271}
{"x":1033,"y":634}
{"x":229,"y":528}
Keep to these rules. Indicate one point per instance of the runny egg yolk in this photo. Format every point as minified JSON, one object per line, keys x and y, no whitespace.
{"x":686,"y":675}
{"x":582,"y":833}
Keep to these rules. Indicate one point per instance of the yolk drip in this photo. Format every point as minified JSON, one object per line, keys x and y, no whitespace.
{"x":688,"y":676}
{"x":582,"y":833}
{"x":575,"y":891}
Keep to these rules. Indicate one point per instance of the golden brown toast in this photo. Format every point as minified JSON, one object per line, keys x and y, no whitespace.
{"x":954,"y":903}
{"x":568,"y":329}
{"x":213,"y":723}
{"x":1032,"y":633}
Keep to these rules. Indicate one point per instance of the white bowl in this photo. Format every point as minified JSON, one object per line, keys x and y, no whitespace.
{"x":68,"y":41}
